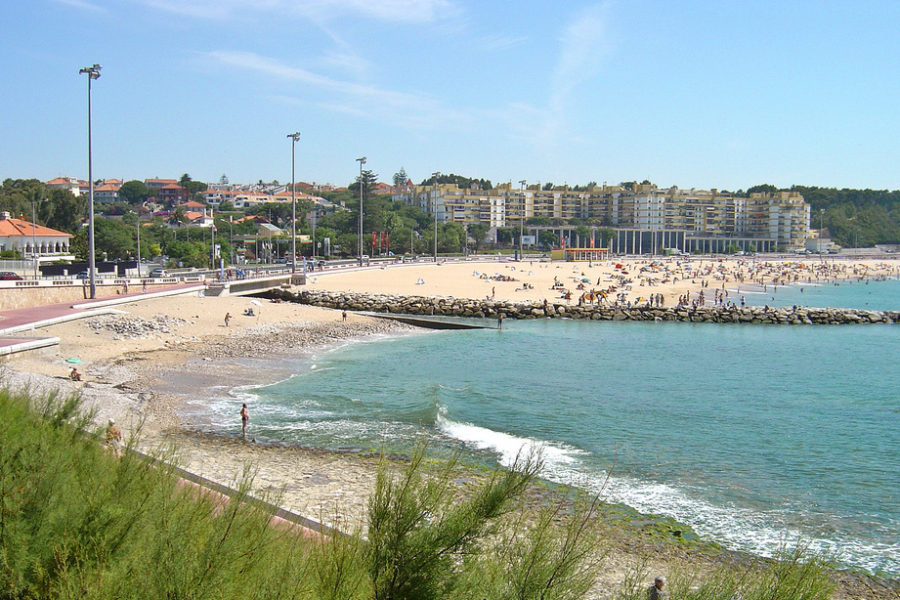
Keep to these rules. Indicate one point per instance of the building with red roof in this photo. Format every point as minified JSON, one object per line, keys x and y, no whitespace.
{"x":73,"y":184}
{"x":172,"y":193}
{"x":28,"y":239}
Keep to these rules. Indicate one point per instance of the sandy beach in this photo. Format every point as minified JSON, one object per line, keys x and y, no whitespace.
{"x":631,"y":280}
{"x":147,"y":365}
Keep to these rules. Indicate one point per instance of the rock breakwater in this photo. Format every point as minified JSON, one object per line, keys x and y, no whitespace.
{"x":463,"y":307}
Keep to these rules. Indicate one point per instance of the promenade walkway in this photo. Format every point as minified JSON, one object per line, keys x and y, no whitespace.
{"x":22,"y":320}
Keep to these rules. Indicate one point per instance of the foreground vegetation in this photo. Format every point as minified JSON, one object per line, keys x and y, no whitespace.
{"x":76,"y":521}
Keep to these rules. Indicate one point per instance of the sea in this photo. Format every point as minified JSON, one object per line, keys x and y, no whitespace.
{"x":756,"y":436}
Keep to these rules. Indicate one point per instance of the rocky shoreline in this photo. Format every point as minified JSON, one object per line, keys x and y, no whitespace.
{"x":463,"y":307}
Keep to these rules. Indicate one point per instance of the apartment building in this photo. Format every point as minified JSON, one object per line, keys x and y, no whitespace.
{"x":644,"y":217}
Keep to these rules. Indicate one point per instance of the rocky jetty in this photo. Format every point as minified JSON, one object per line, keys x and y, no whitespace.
{"x":464,"y":307}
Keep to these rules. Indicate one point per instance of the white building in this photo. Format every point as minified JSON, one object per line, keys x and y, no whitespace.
{"x":28,"y":239}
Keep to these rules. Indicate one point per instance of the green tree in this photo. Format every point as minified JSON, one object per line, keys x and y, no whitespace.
{"x":65,"y":211}
{"x":133,"y":192}
{"x":418,"y":530}
{"x":115,"y":238}
{"x":369,"y":179}
{"x":193,"y":187}
{"x":584,"y":234}
{"x":478,"y":232}
{"x":548,"y":239}
{"x":400,"y":178}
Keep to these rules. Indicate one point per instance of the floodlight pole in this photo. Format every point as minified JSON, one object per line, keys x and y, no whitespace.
{"x":34,"y":255}
{"x":92,"y":72}
{"x":361,"y":162}
{"x":435,"y":175}
{"x":522,"y":220}
{"x":295,"y":137}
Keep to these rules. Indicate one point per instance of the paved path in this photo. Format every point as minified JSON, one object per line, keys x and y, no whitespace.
{"x":22,"y":320}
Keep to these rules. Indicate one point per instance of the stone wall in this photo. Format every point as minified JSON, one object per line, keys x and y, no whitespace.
{"x":460,"y":307}
{"x":25,"y":296}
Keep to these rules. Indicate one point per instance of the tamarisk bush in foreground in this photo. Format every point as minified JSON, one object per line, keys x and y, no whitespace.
{"x":78,"y":522}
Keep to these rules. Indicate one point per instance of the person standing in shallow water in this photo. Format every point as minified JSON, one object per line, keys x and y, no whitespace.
{"x":245,"y":417}
{"x":499,"y":320}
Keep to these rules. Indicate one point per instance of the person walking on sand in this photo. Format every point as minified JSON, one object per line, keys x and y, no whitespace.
{"x":655,"y":592}
{"x":245,"y":416}
{"x":227,"y":318}
{"x":343,"y":315}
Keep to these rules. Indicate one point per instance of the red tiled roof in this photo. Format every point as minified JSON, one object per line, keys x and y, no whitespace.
{"x":66,"y":181}
{"x":193,"y":204}
{"x":18,"y":227}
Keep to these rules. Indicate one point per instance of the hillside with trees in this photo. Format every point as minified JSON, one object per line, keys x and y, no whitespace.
{"x":853,"y":218}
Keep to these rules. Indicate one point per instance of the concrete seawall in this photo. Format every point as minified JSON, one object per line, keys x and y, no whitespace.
{"x":461,"y":307}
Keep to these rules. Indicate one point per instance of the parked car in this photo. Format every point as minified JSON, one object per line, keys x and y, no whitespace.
{"x":158,"y":272}
{"x":83,"y":275}
{"x":9,"y":276}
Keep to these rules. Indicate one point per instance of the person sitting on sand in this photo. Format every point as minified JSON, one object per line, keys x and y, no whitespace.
{"x":114,"y":437}
{"x":655,"y":592}
{"x":74,"y":375}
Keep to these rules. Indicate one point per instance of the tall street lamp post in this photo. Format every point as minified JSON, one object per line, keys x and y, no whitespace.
{"x":361,"y":162}
{"x":435,"y":175}
{"x":92,"y":73}
{"x":295,"y":137}
{"x":34,"y":252}
{"x":522,"y":219}
{"x":138,"y":213}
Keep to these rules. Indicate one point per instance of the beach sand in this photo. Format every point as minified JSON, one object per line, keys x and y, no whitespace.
{"x":636,"y":278}
{"x":147,"y":366}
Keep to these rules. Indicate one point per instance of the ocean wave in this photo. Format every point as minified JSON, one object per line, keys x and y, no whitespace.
{"x":758,"y":532}
{"x":506,"y":445}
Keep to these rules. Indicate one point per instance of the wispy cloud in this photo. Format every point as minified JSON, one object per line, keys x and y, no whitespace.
{"x":499,"y":41}
{"x":583,"y":45}
{"x":397,"y":11}
{"x":401,"y":108}
{"x":81,"y":4}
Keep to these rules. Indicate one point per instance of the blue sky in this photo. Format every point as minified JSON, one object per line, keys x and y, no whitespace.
{"x":716,"y":94}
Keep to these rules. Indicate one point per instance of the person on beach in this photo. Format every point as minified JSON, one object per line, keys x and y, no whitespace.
{"x":74,"y":375}
{"x":499,"y":320}
{"x":656,"y":590}
{"x":114,"y":438}
{"x":245,"y":416}
{"x":344,"y":315}
{"x":227,"y":318}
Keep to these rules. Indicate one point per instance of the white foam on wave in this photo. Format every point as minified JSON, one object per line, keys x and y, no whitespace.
{"x":764,"y":533}
{"x":506,"y":445}
{"x":759,"y":532}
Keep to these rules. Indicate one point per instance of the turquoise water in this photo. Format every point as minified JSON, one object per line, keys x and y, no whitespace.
{"x":874,"y":295}
{"x":753,"y":435}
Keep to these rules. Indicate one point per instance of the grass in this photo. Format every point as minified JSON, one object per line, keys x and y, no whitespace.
{"x":78,"y":522}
